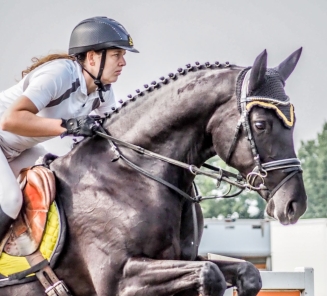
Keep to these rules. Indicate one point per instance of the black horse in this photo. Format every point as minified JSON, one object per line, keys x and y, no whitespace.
{"x":130,"y":235}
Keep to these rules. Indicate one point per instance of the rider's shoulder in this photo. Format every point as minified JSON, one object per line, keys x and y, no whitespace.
{"x":57,"y":70}
{"x":60,"y":65}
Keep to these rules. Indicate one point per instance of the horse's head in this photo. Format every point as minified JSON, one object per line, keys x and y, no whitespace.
{"x":199,"y":102}
{"x":262,"y":147}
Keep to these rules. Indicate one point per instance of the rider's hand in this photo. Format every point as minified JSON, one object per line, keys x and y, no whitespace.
{"x":84,"y":126}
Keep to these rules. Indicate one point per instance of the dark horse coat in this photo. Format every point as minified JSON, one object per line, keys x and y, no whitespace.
{"x":129,"y":235}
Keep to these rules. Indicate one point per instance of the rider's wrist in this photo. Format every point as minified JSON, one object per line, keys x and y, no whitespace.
{"x":64,"y":125}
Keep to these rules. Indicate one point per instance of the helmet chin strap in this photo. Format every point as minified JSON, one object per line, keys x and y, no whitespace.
{"x":97,"y":80}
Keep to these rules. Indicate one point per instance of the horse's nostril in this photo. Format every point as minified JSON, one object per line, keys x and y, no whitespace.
{"x":291,"y":210}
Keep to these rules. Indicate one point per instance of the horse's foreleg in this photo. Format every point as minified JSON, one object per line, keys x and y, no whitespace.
{"x":243,"y":275}
{"x":147,"y":277}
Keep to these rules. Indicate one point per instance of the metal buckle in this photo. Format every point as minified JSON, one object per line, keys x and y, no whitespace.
{"x":192,"y":169}
{"x":58,"y":287}
{"x":252,"y":176}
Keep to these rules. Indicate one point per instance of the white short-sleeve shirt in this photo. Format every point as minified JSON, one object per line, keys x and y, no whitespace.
{"x":58,"y":90}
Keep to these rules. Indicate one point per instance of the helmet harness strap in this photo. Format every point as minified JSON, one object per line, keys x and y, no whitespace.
{"x":97,"y":80}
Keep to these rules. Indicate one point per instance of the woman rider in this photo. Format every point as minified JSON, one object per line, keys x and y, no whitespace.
{"x":55,"y":97}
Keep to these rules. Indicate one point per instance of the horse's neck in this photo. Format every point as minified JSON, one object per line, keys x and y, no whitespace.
{"x":172,"y":120}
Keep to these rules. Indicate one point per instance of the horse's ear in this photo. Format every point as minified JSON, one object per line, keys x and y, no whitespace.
{"x":258,"y":72}
{"x":286,"y":68}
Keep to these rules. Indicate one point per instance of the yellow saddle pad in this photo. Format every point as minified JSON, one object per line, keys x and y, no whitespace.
{"x":13,"y":264}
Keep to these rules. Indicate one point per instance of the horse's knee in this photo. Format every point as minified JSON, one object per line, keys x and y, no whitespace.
{"x":249,"y":279}
{"x":212,"y":280}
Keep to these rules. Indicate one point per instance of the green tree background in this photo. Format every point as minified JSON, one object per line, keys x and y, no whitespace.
{"x":249,"y":205}
{"x":313,"y":155}
{"x":246,"y":205}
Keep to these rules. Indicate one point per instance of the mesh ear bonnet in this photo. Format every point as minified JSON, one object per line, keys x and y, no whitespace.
{"x":270,"y":95}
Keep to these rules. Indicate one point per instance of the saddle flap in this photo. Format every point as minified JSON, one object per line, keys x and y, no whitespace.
{"x":38,"y":186}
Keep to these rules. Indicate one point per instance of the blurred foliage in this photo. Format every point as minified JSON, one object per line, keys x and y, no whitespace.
{"x":313,"y":156}
{"x":246,"y":205}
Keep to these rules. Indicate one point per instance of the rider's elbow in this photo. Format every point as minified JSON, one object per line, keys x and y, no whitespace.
{"x":6,"y":122}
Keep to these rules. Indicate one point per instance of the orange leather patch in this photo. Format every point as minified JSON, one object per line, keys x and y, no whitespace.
{"x":38,"y":186}
{"x":276,"y":293}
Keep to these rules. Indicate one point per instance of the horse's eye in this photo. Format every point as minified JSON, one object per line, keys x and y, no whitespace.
{"x":261,"y":125}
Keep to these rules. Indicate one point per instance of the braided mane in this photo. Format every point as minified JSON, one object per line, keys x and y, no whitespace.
{"x":166,"y":80}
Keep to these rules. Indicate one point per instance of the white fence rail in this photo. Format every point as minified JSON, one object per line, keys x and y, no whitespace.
{"x":282,"y":283}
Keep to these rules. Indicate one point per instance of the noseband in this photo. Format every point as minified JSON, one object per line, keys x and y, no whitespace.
{"x":290,"y":166}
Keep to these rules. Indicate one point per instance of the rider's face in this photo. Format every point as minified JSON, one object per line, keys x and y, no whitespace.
{"x":115,"y":62}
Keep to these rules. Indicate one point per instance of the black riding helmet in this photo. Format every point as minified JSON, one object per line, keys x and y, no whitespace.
{"x":99,"y":33}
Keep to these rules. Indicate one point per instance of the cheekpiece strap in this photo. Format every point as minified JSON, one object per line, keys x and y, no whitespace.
{"x":245,"y":118}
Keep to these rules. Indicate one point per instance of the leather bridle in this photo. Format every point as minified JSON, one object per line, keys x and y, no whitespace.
{"x":291,"y":166}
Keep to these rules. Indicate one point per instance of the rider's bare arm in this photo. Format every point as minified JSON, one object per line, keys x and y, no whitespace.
{"x":21,"y":119}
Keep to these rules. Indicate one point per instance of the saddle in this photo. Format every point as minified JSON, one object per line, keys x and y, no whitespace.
{"x":34,"y":242}
{"x":25,"y":235}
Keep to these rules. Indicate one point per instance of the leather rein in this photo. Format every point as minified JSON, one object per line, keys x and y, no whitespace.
{"x":290,"y":166}
{"x":216,"y":173}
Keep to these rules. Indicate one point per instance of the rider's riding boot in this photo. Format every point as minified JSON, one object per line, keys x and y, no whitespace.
{"x":5,"y":222}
